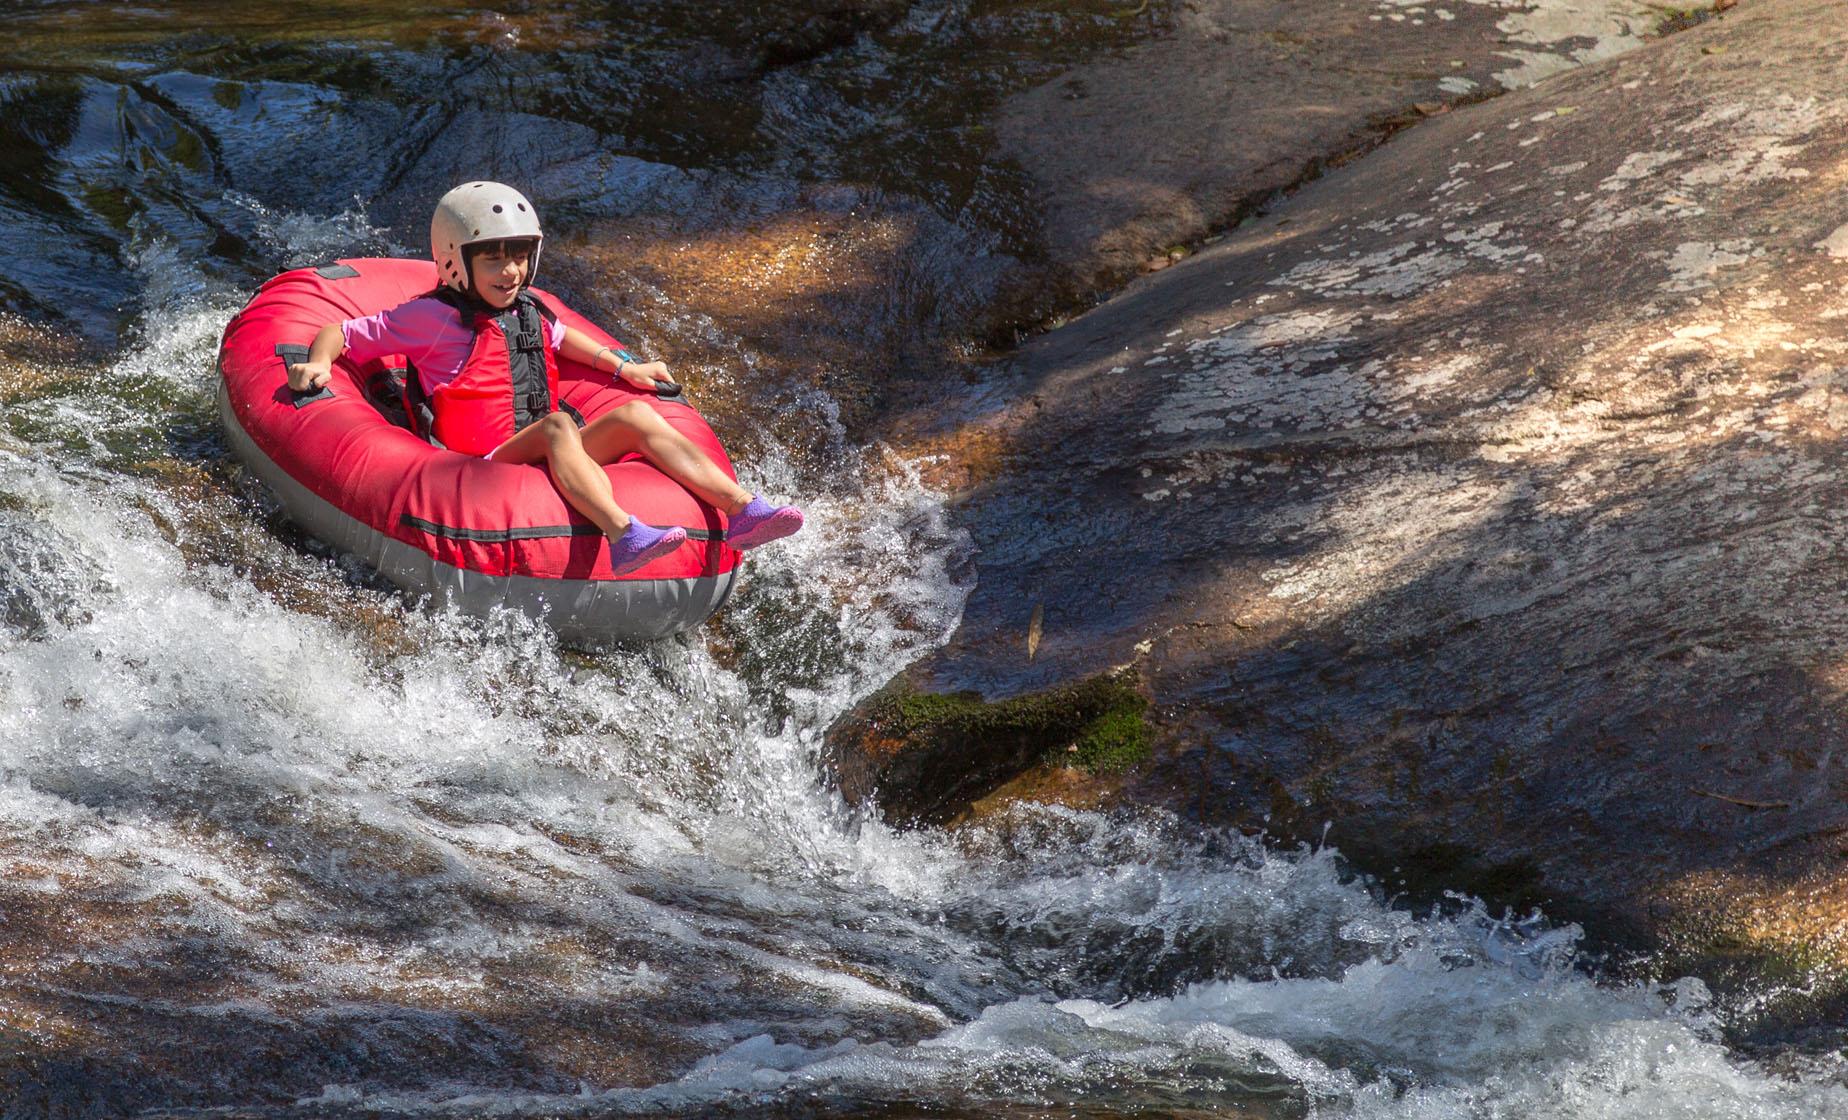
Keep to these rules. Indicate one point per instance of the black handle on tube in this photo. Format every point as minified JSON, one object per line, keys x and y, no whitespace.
{"x":291,"y":354}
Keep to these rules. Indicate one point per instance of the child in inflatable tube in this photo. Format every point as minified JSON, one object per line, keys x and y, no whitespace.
{"x":485,"y":350}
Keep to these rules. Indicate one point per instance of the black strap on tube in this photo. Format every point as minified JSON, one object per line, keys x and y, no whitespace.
{"x":293,"y":353}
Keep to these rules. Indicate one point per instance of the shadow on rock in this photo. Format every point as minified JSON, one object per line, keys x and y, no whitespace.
{"x":1479,"y":503}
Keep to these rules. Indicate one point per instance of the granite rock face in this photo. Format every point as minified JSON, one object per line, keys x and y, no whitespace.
{"x":1483,"y":496}
{"x":1244,"y":98}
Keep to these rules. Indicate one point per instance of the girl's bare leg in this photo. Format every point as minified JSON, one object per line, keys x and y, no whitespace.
{"x":637,"y":427}
{"x":555,"y":441}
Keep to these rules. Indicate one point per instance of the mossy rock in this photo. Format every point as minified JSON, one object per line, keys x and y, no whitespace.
{"x":1114,"y":741}
{"x":925,"y":756}
{"x":1099,"y":725}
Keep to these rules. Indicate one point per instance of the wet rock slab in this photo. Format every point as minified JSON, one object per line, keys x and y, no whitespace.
{"x":1140,"y":153}
{"x":1483,"y":497}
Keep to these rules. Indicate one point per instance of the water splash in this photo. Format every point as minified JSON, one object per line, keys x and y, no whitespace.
{"x":283,"y":821}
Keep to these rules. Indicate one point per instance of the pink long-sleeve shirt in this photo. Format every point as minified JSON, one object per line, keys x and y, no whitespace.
{"x":427,"y":331}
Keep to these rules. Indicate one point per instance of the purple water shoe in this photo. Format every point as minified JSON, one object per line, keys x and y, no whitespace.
{"x":760,"y":523}
{"x":641,"y":543}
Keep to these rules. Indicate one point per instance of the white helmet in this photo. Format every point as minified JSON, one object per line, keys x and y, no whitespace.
{"x":474,"y":213}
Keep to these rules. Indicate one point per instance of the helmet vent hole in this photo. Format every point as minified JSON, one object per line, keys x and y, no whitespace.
{"x":477,"y":233}
{"x":520,"y":205}
{"x":498,"y":208}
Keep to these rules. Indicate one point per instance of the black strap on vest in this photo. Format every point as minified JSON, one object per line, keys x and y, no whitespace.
{"x":417,"y":408}
{"x":525,"y":333}
{"x":384,"y":386}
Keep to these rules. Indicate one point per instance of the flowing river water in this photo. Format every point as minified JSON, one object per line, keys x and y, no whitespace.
{"x":278,"y":843}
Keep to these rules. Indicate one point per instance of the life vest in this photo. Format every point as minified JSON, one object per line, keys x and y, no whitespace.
{"x":509,"y":380}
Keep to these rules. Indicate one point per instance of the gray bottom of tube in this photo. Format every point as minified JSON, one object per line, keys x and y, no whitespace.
{"x":581,"y":611}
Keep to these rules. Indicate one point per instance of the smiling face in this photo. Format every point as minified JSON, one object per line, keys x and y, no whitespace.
{"x":497,"y":270}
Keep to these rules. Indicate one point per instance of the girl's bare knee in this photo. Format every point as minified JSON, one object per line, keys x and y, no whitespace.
{"x":635,"y":414}
{"x":559,"y":427}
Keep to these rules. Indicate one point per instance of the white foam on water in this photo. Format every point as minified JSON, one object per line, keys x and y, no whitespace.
{"x":299,"y":240}
{"x":154,"y":726}
{"x":144,"y":746}
{"x":1440,"y":1019}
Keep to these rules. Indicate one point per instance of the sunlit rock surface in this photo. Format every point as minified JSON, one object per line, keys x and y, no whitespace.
{"x":1484,"y":497}
{"x":1138,"y":154}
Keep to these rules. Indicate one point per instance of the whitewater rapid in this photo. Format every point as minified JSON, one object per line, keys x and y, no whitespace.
{"x":247,"y":789}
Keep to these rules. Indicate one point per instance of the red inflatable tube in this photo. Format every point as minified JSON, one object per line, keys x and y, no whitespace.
{"x":462,"y":530}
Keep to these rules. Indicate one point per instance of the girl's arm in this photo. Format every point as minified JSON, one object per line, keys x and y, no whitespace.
{"x":580,"y":347}
{"x":318,"y":369}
